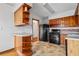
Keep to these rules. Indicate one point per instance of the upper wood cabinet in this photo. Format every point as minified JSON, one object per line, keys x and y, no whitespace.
{"x":21,"y":15}
{"x":54,"y":22}
{"x":69,"y":21}
{"x":78,"y":14}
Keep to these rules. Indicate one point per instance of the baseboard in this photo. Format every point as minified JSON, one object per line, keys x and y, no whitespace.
{"x":7,"y":50}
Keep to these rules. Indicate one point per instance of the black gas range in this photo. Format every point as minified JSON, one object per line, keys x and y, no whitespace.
{"x":54,"y":36}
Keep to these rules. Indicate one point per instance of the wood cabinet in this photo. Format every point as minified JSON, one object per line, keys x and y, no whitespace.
{"x":78,"y":20}
{"x":21,"y":15}
{"x":78,"y":14}
{"x":54,"y":22}
{"x":77,"y":9}
{"x":73,"y":21}
{"x":23,"y":45}
{"x":69,"y":21}
{"x":72,"y":47}
{"x":62,"y":39}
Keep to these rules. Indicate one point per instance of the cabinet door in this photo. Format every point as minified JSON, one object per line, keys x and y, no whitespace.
{"x":78,"y":9}
{"x":26,"y":39}
{"x":26,"y":42}
{"x":54,"y":22}
{"x":77,"y":48}
{"x":67,"y":21}
{"x":78,"y":20}
{"x":26,"y":45}
{"x":19,"y":16}
{"x":18,"y":43}
{"x":70,"y":49}
{"x":62,"y":22}
{"x":62,"y":39}
{"x":72,"y":21}
{"x":73,"y":47}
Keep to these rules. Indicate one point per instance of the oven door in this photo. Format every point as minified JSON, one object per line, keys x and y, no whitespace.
{"x":54,"y":38}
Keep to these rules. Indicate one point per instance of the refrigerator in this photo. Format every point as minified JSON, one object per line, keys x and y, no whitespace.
{"x":44,"y":32}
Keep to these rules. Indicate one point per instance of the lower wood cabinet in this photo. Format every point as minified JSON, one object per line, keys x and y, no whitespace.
{"x":72,"y":47}
{"x":23,"y":45}
{"x":62,"y":39}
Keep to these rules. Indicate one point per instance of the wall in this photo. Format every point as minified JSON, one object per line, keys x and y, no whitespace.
{"x":6,"y":28}
{"x":33,"y":15}
{"x":44,"y":20}
{"x":41,"y":21}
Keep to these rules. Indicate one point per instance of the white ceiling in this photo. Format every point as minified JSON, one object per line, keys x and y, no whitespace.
{"x":47,"y":9}
{"x":11,"y":4}
{"x":39,"y":10}
{"x":61,"y":7}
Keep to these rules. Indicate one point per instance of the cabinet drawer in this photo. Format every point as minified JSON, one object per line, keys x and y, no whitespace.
{"x":27,"y":52}
{"x":26,"y":48}
{"x":27,"y":39}
{"x":26,"y":45}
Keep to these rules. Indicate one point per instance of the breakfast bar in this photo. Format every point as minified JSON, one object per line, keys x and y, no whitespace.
{"x":72,"y":45}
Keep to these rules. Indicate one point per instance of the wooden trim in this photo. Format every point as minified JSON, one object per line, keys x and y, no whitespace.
{"x":7,"y":50}
{"x":14,"y":41}
{"x":34,"y":39}
{"x":76,"y":11}
{"x":27,"y":5}
{"x":66,"y":47}
{"x":24,"y":4}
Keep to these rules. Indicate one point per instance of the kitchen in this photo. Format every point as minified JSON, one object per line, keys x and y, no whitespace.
{"x":53,"y":31}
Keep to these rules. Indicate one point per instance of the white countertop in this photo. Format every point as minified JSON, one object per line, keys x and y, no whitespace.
{"x":25,"y":34}
{"x":72,"y":38}
{"x":64,"y":28}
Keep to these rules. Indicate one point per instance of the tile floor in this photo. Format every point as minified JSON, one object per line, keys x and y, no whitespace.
{"x":44,"y":49}
{"x":48,"y":49}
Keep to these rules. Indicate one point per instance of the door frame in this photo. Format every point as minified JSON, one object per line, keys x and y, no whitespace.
{"x":38,"y":26}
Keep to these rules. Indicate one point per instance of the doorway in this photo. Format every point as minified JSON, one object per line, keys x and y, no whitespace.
{"x":35,"y":30}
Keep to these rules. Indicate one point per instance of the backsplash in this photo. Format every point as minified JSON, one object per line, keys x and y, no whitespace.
{"x":70,"y":31}
{"x":23,"y":29}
